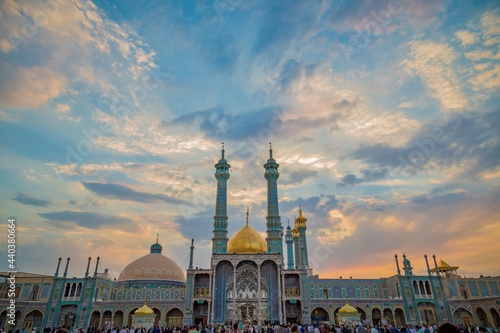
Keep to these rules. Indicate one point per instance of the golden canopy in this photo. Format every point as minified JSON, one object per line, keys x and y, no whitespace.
{"x":348,"y":309}
{"x":444,"y":267}
{"x":144,"y":310}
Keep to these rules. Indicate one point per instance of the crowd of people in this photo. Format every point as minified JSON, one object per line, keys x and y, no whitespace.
{"x":324,"y":327}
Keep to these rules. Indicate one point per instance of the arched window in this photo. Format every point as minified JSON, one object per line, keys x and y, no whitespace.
{"x":34,"y":293}
{"x":79,"y":290}
{"x":66,"y":290}
{"x":73,"y":290}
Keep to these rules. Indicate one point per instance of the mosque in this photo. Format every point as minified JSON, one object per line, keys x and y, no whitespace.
{"x":248,"y":281}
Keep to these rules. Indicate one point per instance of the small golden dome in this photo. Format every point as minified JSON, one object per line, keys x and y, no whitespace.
{"x":301,"y":220}
{"x":144,"y":310}
{"x":347,"y":309}
{"x":247,"y":240}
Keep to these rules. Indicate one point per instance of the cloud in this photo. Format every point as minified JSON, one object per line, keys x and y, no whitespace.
{"x":298,"y":177}
{"x":217,"y":123}
{"x":432,"y":62}
{"x":466,"y":37}
{"x":490,"y":28}
{"x":317,"y":206}
{"x":365,"y":15}
{"x":466,"y":141}
{"x":88,"y":220}
{"x":27,"y":199}
{"x":368,"y":176}
{"x":482,"y":54}
{"x":124,"y":193}
{"x":29,"y":88}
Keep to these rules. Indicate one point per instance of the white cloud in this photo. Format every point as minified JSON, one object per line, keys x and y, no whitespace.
{"x":31,"y":87}
{"x":491,"y":28}
{"x":466,"y":37}
{"x":63,"y":108}
{"x":488,"y":79}
{"x":482,"y":54}
{"x":433,"y":63}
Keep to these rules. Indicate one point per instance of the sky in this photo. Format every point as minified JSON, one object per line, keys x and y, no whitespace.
{"x":384,"y":117}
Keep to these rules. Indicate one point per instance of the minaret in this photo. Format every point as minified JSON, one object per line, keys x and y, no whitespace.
{"x":289,"y":246}
{"x":296,"y":247}
{"x":219,"y":241}
{"x":191,"y":250}
{"x":274,"y":228}
{"x":300,"y":224}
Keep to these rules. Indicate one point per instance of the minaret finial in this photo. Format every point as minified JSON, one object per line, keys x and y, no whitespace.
{"x":223,"y":150}
{"x":248,"y":209}
{"x":157,"y":235}
{"x":270,"y":150}
{"x":288,"y":220}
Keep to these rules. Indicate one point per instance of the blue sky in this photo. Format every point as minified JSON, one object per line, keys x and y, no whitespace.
{"x":383,"y":116}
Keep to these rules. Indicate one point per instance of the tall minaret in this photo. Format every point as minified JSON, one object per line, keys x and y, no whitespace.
{"x":219,"y":241}
{"x":296,"y":247}
{"x":289,"y":247}
{"x":300,"y":224}
{"x":274,"y":228}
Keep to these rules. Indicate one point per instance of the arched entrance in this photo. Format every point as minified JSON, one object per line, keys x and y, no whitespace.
{"x":483,"y":319}
{"x":107,"y":320}
{"x":119,"y":318}
{"x":400,"y":317}
{"x":67,"y":316}
{"x":174,"y":318}
{"x":427,"y":313}
{"x":94,"y":319}
{"x":388,"y":317}
{"x":33,"y":319}
{"x":130,"y":317}
{"x":158,"y":317}
{"x":462,"y":316}
{"x":376,"y":316}
{"x":318,"y":315}
{"x":292,"y":308}
{"x":362,"y":314}
{"x":495,"y":316}
{"x":200,"y":312}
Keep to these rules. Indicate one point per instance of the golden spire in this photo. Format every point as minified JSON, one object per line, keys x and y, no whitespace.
{"x":157,"y":235}
{"x":301,"y":220}
{"x":248,"y":209}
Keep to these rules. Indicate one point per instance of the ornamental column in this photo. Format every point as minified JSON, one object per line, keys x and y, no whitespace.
{"x":219,"y":241}
{"x":258,"y":295}
{"x":235,"y":293}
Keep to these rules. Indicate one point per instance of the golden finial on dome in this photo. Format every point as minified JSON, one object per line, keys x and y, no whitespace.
{"x":248,"y":210}
{"x":157,"y":235}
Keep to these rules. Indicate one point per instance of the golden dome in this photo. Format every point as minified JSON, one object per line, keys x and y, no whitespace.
{"x":152,"y":266}
{"x":301,"y":220}
{"x":246,"y":240}
{"x":144,"y":310}
{"x":347,"y":309}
